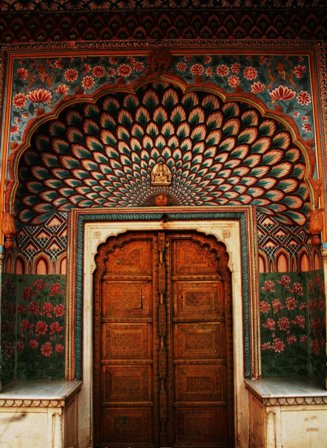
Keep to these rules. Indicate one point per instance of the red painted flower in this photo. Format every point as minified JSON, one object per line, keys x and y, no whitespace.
{"x":304,"y":338}
{"x":59,"y":310}
{"x":55,"y":289}
{"x":233,"y":81}
{"x":278,"y":345}
{"x":124,"y":70}
{"x":263,"y":60}
{"x":71,"y":75}
{"x":307,"y":127}
{"x":20,"y":345}
{"x":138,"y":66}
{"x":299,"y":320}
{"x":41,"y":327}
{"x":250,"y":73}
{"x":197,"y":69}
{"x":315,"y":347}
{"x":62,"y":89}
{"x":33,"y":307}
{"x":290,"y":303}
{"x":270,"y":324}
{"x":22,"y":73}
{"x":40,"y":96}
{"x":285,"y":281}
{"x":303,"y":98}
{"x":265,"y":346}
{"x":20,"y":308}
{"x":33,"y":343}
{"x":208,"y":72}
{"x":299,"y":70}
{"x":39,"y":284}
{"x":98,"y":71}
{"x":264,"y":306}
{"x":181,"y":67}
{"x":46,"y":349}
{"x":282,"y":93}
{"x":55,"y":327}
{"x":14,"y":129}
{"x":19,"y":100}
{"x":297,"y":289}
{"x":111,"y":72}
{"x":58,"y":63}
{"x":207,"y":59}
{"x":268,"y":286}
{"x":47,"y":308}
{"x":296,"y":114}
{"x":59,"y":348}
{"x":24,"y":325}
{"x":236,"y":67}
{"x":88,"y":82}
{"x":86,"y":68}
{"x":277,"y":305}
{"x":283,"y":323}
{"x":222,"y":70}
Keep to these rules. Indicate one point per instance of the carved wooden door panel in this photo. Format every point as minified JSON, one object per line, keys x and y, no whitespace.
{"x":162,"y":342}
{"x":200,"y":343}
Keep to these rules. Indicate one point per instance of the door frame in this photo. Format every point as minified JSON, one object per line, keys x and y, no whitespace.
{"x":234,"y":226}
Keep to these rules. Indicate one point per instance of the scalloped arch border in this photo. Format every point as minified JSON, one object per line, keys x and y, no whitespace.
{"x":240,"y":97}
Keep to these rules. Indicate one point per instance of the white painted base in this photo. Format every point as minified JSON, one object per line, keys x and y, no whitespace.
{"x":39,"y":415}
{"x":287,"y":414}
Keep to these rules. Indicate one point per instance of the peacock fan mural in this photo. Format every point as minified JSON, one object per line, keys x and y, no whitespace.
{"x":192,"y":143}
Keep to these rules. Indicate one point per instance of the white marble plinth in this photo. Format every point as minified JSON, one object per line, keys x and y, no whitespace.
{"x":287,"y":413}
{"x":40,"y":414}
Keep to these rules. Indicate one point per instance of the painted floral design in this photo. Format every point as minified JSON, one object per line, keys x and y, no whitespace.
{"x":44,"y":82}
{"x":8,"y":328}
{"x":284,"y":320}
{"x":317,"y":322}
{"x":292,"y":315}
{"x":40,"y":327}
{"x":282,"y":82}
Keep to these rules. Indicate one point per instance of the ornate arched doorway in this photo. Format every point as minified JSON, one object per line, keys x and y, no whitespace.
{"x":163,"y":361}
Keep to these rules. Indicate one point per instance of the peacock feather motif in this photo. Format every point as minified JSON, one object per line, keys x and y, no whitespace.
{"x":102,"y":154}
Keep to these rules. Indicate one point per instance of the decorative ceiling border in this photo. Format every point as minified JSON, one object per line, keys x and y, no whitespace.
{"x":51,"y":6}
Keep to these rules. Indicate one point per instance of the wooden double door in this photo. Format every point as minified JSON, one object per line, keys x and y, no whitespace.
{"x":163,"y":374}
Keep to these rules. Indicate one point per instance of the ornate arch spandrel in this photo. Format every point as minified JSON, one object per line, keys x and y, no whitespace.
{"x":245,"y":110}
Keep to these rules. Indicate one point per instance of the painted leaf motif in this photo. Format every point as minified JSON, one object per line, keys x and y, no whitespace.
{"x":247,"y":136}
{"x":261,"y":145}
{"x":103,"y":153}
{"x":250,"y":118}
{"x":74,"y":135}
{"x":267,"y":128}
{"x":231,"y":127}
{"x":281,"y":140}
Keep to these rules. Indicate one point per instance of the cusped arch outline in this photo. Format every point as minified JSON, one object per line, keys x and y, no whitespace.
{"x":223,"y":149}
